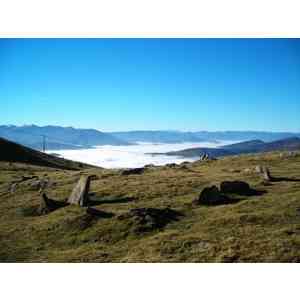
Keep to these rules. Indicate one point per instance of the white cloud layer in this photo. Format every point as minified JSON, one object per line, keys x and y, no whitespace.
{"x":132,"y":156}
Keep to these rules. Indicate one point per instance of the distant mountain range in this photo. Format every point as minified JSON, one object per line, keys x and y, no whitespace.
{"x":169,"y":136}
{"x":158,"y":136}
{"x":59,"y":138}
{"x":254,"y":146}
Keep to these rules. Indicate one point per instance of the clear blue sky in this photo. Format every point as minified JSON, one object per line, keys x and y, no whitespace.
{"x":124,"y":84}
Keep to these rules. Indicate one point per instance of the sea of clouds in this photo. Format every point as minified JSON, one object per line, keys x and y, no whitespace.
{"x":133,"y":156}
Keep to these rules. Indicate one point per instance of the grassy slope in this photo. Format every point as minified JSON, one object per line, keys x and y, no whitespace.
{"x":13,"y":152}
{"x":262,"y":228}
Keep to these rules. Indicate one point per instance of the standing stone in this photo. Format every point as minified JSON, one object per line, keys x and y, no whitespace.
{"x":266,"y":174}
{"x":80,"y":193}
{"x":13,"y":188}
{"x":259,"y":169}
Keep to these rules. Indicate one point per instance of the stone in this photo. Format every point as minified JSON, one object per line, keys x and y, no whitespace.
{"x":135,"y":171}
{"x":211,"y":196}
{"x":266,"y":174}
{"x":247,"y":170}
{"x":172,"y":165}
{"x":259,"y":169}
{"x":80,"y":193}
{"x":264,"y":171}
{"x":235,"y":187}
{"x":13,"y":188}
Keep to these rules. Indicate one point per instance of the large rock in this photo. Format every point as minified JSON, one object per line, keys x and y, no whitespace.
{"x":80,"y":193}
{"x":136,"y":171}
{"x":211,"y":196}
{"x":235,"y":187}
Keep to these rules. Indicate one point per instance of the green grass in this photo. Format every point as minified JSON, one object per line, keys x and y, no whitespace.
{"x":264,"y":228}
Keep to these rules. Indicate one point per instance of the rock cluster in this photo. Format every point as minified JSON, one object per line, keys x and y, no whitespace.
{"x":214,"y":196}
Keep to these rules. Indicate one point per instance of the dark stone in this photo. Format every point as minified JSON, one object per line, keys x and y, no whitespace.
{"x":211,"y":196}
{"x":135,"y":171}
{"x":148,"y":219}
{"x":235,"y":187}
{"x":173,"y":165}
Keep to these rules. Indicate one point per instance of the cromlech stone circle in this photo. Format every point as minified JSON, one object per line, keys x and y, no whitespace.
{"x":80,"y":193}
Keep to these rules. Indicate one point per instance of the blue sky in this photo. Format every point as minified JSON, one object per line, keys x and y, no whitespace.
{"x":128,"y":84}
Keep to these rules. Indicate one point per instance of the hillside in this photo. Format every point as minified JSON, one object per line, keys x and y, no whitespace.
{"x":255,"y":146}
{"x":165,"y":226}
{"x":58,"y":138}
{"x":12,"y":152}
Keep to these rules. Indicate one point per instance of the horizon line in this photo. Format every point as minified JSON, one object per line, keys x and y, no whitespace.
{"x":154,"y":130}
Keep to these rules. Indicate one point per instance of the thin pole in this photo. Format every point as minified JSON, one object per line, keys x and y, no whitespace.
{"x":44,"y":143}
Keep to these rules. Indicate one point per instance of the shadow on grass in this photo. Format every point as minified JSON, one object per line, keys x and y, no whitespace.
{"x":99,"y":213}
{"x":251,"y":192}
{"x":279,"y":179}
{"x":97,"y":200}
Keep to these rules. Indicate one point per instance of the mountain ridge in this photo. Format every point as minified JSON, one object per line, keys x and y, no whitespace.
{"x":57,"y":137}
{"x":254,"y":146}
{"x":61,"y":138}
